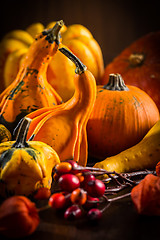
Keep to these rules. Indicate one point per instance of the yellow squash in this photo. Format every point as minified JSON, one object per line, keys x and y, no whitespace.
{"x":144,"y":155}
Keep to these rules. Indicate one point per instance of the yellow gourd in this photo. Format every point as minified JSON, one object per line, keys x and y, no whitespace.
{"x":144,"y":155}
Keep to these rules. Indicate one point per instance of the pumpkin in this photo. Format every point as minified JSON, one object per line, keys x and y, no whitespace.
{"x":64,"y":126}
{"x":121,"y":116}
{"x":31,"y":90}
{"x":139,"y":65}
{"x":25,"y":166}
{"x":60,"y":72}
{"x":143,"y":155}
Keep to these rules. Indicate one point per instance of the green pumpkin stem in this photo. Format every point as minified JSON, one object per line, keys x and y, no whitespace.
{"x":53,"y":33}
{"x":22,"y":134}
{"x":80,"y":67}
{"x":116,"y":83}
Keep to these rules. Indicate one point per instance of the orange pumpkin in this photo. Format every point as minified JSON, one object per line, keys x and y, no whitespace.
{"x":121,"y":117}
{"x":139,"y":65}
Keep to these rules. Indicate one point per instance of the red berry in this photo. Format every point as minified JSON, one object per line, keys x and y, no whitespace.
{"x":73,"y":212}
{"x":57,"y":200}
{"x":94,"y":214}
{"x":42,"y":193}
{"x":87,"y":178}
{"x":79,"y":196}
{"x":68,"y":182}
{"x":91,"y":203}
{"x":75,"y":166}
{"x":73,"y":163}
{"x":95,"y":188}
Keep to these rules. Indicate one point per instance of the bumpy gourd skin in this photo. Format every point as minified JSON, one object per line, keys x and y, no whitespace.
{"x":25,"y":167}
{"x":144,"y":155}
{"x":60,"y":71}
{"x":5,"y":134}
{"x":64,"y":126}
{"x":30,"y":90}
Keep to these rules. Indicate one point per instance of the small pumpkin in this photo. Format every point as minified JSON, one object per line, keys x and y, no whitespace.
{"x":60,"y":72}
{"x":139,"y":65}
{"x":64,"y":126}
{"x":25,"y":166}
{"x":31,"y":90}
{"x":121,"y":116}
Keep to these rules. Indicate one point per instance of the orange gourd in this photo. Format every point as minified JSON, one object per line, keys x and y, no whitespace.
{"x":64,"y":126}
{"x":30,"y":90}
{"x":60,"y":72}
{"x":139,"y":65}
{"x":121,"y":117}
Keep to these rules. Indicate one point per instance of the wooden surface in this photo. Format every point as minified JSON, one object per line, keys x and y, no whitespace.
{"x":119,"y":221}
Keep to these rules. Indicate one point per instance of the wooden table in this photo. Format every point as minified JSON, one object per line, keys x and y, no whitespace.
{"x":119,"y":221}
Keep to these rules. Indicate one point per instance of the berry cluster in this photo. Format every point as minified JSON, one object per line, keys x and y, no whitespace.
{"x":80,"y":191}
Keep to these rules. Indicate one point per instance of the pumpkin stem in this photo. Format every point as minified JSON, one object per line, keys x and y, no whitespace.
{"x":22,"y":134}
{"x":116,"y":83}
{"x":53,"y":33}
{"x":80,"y":67}
{"x":136,"y":59}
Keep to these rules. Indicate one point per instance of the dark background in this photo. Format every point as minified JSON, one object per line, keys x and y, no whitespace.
{"x":114,"y":24}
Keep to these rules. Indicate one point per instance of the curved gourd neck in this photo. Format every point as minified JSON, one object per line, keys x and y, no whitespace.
{"x":43,"y":48}
{"x":85,"y":85}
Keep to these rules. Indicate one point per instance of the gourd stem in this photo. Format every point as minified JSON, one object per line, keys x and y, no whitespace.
{"x":116,"y":83}
{"x":53,"y":33}
{"x":80,"y":67}
{"x":22,"y":134}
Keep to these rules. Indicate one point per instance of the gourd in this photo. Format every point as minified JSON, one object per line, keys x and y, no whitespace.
{"x":25,"y":166}
{"x":64,"y":126}
{"x":139,"y":65}
{"x":20,"y":40}
{"x":5,"y":134}
{"x":143,"y":155}
{"x":121,"y":117}
{"x":30,"y":90}
{"x":60,"y":72}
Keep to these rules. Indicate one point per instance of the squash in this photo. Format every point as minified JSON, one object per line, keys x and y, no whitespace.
{"x":8,"y":45}
{"x":25,"y":166}
{"x":5,"y":134}
{"x":121,"y":117}
{"x":143,"y":155}
{"x":139,"y":65}
{"x":60,"y":72}
{"x":64,"y":126}
{"x":30,"y":90}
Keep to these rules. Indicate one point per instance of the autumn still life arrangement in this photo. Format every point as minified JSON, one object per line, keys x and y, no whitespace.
{"x":60,"y":108}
